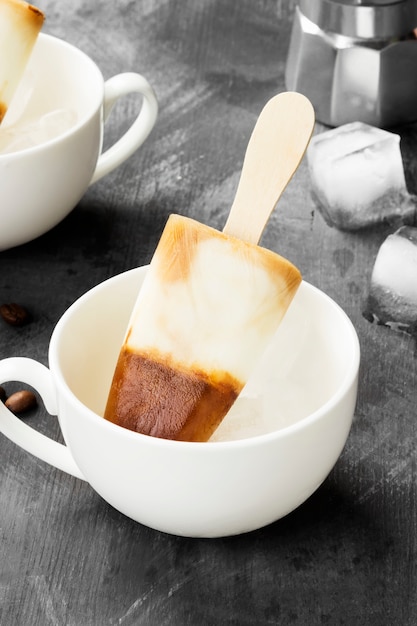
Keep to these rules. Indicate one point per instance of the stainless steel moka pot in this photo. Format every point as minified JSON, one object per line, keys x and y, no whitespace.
{"x":356,"y":60}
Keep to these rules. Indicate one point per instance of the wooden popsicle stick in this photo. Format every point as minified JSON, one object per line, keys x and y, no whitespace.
{"x":275,"y":149}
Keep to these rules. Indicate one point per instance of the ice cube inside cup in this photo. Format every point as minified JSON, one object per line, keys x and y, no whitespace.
{"x":357,"y":176}
{"x":26,"y":133}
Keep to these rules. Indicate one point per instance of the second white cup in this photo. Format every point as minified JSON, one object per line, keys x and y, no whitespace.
{"x":51,"y":139}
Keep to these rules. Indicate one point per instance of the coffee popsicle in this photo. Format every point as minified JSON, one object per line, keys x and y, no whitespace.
{"x":20,"y":24}
{"x":205,"y":313}
{"x":212,"y":300}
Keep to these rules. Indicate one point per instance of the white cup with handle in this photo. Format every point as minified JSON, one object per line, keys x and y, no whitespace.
{"x":306,"y":387}
{"x":52,"y":137}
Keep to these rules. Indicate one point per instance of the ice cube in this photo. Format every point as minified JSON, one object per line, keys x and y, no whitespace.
{"x":245,"y":419}
{"x":357,"y":177}
{"x":55,"y":123}
{"x":281,"y":391}
{"x":27,"y":134}
{"x":392,"y":298}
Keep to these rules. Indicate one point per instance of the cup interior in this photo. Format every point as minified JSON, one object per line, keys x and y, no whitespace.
{"x":310,"y":363}
{"x":58,"y":78}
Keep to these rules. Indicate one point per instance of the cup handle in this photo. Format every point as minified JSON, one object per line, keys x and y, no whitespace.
{"x":114,"y":88}
{"x":39,"y":377}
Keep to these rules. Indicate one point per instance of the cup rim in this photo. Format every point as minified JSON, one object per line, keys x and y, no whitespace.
{"x":348,"y":382}
{"x":84,"y":119}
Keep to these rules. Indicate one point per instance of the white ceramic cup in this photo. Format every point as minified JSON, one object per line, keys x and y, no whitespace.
{"x":306,"y":382}
{"x":41,"y":184}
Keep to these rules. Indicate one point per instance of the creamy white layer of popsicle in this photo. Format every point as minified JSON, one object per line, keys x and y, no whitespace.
{"x":20,"y":24}
{"x":207,"y":309}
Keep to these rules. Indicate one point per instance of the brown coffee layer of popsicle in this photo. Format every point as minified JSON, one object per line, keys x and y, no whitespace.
{"x":174,"y":403}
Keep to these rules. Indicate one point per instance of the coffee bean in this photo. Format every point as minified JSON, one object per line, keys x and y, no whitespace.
{"x":14,"y":314}
{"x":3,"y":394}
{"x":21,"y":401}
